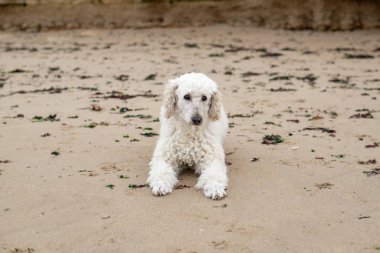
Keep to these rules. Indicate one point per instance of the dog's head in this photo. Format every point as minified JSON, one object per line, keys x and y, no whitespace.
{"x":194,"y":98}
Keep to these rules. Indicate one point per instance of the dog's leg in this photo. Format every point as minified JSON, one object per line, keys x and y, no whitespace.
{"x":162,"y":177}
{"x":213,"y":180}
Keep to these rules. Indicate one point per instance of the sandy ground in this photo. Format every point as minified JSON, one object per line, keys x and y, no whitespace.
{"x":66,"y":182}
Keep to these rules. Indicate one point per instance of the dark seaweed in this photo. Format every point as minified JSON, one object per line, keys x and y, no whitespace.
{"x":269,"y":54}
{"x":150,"y":77}
{"x":372,"y":172}
{"x":249,"y":74}
{"x":123,"y":96}
{"x":374,"y":145}
{"x":134,"y":186}
{"x":122,"y":78}
{"x":149,"y":134}
{"x":323,"y":129}
{"x":371,"y":161}
{"x":272,"y":139}
{"x":366,"y":115}
{"x":191,"y":45}
{"x":282,"y":89}
{"x":358,"y":56}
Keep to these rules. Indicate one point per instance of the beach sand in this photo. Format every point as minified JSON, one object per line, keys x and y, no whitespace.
{"x":74,"y":106}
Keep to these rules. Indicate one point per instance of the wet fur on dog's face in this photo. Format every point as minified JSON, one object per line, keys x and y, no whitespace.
{"x":193,"y":98}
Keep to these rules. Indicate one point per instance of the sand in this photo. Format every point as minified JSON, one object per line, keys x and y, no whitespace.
{"x":66,"y":182}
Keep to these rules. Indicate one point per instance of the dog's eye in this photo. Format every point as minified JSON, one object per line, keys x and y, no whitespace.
{"x":204,"y":98}
{"x":187,"y":97}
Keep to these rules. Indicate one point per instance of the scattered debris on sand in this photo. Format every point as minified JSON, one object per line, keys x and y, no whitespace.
{"x":323,"y":129}
{"x":370,"y":161}
{"x":324,"y":186}
{"x":272,"y":139}
{"x":372,"y":172}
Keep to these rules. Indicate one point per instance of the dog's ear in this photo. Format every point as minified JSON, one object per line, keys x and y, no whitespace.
{"x":170,"y":98}
{"x":215,"y":106}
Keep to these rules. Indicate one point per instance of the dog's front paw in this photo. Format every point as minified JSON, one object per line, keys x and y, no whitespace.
{"x":161,"y":188}
{"x":214,"y":191}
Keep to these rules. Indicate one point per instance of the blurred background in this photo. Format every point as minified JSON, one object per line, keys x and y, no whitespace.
{"x":32,"y":15}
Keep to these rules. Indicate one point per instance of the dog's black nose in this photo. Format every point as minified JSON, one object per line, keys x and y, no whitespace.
{"x":196,"y":119}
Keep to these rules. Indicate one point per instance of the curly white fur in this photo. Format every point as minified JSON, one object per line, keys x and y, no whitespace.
{"x":184,"y":142}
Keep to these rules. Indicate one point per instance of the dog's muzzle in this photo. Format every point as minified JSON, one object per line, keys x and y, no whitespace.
{"x":196,"y":119}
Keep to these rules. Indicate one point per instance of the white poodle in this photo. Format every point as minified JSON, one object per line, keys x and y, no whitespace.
{"x":193,"y":126}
